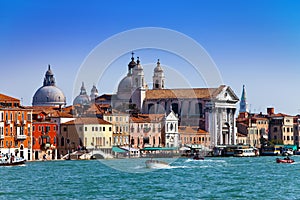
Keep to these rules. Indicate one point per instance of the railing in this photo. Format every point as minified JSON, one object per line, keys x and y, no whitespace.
{"x":7,"y":121}
{"x":23,"y":122}
{"x":17,"y":122}
{"x":1,"y":136}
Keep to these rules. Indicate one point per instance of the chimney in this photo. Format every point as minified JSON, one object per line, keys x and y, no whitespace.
{"x":270,"y":111}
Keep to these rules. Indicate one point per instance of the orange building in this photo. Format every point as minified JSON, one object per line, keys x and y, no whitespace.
{"x":44,"y":140}
{"x":15,"y":128}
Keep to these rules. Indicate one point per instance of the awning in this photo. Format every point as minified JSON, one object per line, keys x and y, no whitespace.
{"x":118,"y":150}
{"x":159,"y":148}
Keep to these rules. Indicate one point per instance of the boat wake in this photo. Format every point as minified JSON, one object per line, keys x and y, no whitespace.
{"x":205,"y":160}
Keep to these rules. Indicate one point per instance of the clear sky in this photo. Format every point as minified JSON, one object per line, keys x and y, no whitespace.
{"x":255,"y":42}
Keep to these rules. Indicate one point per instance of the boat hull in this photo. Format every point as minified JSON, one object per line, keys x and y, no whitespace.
{"x":13,"y":164}
{"x":156,"y":164}
{"x":284,"y":160}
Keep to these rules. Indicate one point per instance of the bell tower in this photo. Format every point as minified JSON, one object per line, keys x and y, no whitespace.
{"x":158,"y":77}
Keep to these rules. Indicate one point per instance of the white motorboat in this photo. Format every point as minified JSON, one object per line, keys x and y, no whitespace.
{"x":156,"y":164}
{"x":10,"y":160}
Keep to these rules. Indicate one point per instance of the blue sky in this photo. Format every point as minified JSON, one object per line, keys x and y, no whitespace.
{"x":256,"y":43}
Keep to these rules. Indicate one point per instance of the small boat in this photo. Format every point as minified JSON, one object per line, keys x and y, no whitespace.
{"x":198,"y":157}
{"x":285,"y":160}
{"x":10,"y":160}
{"x":156,"y":164}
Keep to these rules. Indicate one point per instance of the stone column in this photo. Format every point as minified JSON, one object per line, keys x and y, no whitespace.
{"x":220,"y":125}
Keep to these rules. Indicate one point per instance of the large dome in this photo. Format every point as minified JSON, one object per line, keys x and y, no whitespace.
{"x":125,"y":87}
{"x":125,"y":84}
{"x":49,"y":96}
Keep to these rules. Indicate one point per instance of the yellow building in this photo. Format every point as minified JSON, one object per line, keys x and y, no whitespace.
{"x":85,"y":133}
{"x":120,"y":123}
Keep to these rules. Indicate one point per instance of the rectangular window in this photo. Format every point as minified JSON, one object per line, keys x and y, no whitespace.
{"x":85,"y":128}
{"x":109,"y":128}
{"x":29,"y":117}
{"x":80,"y":128}
{"x":65,"y":128}
{"x":96,"y":128}
{"x":92,"y":128}
{"x":103,"y":128}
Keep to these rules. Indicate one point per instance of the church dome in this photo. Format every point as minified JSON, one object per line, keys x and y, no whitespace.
{"x":94,"y":93}
{"x":49,"y":94}
{"x":138,"y":65}
{"x":125,"y":84}
{"x":82,"y":98}
{"x":131,"y":64}
{"x":158,"y":67}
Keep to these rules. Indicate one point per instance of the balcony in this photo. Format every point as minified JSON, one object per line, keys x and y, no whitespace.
{"x":23,"y":122}
{"x":7,"y":122}
{"x":21,"y":137}
{"x":1,"y":136}
{"x":17,"y":122}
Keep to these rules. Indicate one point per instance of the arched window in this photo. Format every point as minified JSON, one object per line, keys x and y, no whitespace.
{"x":156,"y":84}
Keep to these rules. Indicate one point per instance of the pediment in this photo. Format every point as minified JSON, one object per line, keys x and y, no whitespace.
{"x":227,"y":94}
{"x":171,"y":116}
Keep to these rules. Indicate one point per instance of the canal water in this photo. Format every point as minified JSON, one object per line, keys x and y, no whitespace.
{"x":212,"y":178}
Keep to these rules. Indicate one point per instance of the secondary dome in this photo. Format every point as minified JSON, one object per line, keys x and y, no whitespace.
{"x":158,"y":67}
{"x":82,"y":98}
{"x":49,"y":94}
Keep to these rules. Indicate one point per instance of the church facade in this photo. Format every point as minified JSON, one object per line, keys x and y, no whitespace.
{"x":210,"y":109}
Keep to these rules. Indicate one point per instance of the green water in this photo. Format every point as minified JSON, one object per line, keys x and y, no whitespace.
{"x":213,"y":178}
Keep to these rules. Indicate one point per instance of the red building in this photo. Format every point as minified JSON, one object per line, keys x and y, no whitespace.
{"x":44,"y":140}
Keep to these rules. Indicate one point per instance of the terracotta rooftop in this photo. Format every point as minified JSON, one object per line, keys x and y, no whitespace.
{"x":280,"y":115}
{"x":91,"y":120}
{"x":191,"y":130}
{"x":147,"y":118}
{"x":4,"y":97}
{"x":184,"y":93}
